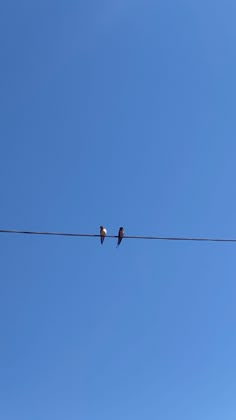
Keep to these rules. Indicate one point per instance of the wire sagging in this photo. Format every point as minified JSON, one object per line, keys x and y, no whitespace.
{"x":88,"y":235}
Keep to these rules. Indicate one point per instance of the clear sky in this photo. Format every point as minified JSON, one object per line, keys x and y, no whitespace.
{"x":117,"y":113}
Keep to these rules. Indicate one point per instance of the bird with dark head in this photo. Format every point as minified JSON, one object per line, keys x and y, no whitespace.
{"x":103,"y":233}
{"x":120,"y":235}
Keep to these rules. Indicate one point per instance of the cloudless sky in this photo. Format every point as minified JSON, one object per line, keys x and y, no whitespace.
{"x":119,"y":113}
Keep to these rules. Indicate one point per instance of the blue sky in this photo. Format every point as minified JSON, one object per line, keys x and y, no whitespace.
{"x":117,"y":113}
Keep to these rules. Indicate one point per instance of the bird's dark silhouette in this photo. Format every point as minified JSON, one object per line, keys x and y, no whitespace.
{"x":120,"y":235}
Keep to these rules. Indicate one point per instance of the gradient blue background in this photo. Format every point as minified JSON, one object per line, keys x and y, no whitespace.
{"x":117,"y":113}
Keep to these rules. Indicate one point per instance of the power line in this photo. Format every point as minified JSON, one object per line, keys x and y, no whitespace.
{"x":88,"y":235}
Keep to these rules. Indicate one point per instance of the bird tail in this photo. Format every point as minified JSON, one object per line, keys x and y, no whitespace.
{"x":102,"y":239}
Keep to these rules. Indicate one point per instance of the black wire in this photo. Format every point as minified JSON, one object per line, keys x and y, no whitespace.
{"x":88,"y":235}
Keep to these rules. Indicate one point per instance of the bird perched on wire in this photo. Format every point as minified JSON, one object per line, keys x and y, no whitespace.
{"x":120,"y":235}
{"x":103,"y":233}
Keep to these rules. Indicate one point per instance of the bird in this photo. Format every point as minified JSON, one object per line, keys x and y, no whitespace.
{"x":103,"y":233}
{"x":120,"y":235}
